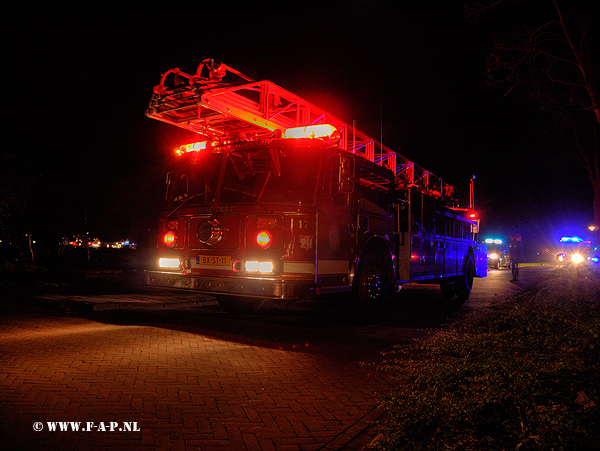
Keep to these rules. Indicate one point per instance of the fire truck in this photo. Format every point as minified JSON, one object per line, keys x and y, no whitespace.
{"x":574,"y":249}
{"x":281,"y":200}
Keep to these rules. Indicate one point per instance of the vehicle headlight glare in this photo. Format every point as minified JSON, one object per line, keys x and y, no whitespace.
{"x":576,"y":258}
{"x":265,"y":267}
{"x":260,"y":267}
{"x":170,"y":263}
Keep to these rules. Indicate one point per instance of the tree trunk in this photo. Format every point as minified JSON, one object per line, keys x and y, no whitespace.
{"x":596,"y":187}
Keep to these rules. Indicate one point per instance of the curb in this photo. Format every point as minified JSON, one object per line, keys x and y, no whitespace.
{"x":70,"y":303}
{"x":361,"y":436}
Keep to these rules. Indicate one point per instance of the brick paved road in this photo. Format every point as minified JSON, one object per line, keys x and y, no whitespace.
{"x":192,"y":377}
{"x":187,"y":387}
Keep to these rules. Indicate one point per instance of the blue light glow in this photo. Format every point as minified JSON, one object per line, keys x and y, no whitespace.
{"x":493,"y":241}
{"x":570,"y":239}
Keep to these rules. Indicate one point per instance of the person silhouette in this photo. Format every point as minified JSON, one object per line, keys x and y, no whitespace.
{"x":516,"y":255}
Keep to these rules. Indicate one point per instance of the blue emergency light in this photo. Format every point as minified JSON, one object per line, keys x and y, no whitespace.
{"x":492,"y":241}
{"x":570,"y":239}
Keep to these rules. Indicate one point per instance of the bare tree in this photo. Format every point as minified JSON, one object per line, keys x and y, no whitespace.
{"x":548,"y":51}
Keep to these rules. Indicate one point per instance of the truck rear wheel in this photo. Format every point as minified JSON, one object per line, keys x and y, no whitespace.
{"x":370,"y":289}
{"x":464,"y":283}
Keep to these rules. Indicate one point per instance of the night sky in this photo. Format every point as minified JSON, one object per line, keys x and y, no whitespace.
{"x":77,"y":80}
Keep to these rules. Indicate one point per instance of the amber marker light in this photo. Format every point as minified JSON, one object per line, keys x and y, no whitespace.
{"x":266,"y":222}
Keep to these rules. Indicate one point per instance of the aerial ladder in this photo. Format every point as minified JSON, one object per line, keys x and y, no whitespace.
{"x":220,"y":103}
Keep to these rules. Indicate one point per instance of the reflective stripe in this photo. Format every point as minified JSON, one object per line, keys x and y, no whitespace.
{"x":333,"y":267}
{"x":298,"y":268}
{"x":325,"y":267}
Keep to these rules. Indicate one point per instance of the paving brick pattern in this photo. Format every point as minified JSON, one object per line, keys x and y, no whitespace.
{"x":186,"y":390}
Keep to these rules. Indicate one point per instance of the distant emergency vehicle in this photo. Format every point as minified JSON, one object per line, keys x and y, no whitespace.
{"x":281,"y":200}
{"x":574,"y":249}
{"x":498,"y":253}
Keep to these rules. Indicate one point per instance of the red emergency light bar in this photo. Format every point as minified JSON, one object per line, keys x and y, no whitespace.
{"x":193,"y":147}
{"x":229,"y":104}
{"x":311,"y":131}
{"x":323,"y":131}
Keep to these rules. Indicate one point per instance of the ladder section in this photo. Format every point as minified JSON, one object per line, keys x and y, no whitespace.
{"x":219,"y":109}
{"x":221,"y":103}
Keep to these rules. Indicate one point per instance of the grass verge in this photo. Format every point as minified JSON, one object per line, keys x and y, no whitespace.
{"x":522,"y":374}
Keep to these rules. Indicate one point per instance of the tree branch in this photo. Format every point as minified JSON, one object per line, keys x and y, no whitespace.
{"x":591,"y":93}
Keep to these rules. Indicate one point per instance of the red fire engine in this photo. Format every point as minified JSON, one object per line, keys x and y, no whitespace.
{"x":281,"y":200}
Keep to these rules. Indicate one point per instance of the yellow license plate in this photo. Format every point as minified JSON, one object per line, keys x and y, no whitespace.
{"x":213,"y":260}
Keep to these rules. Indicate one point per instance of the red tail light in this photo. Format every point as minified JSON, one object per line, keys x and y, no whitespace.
{"x":263,"y":239}
{"x":264,"y":232}
{"x":169,"y":239}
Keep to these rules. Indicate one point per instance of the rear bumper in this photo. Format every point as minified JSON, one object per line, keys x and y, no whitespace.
{"x":256,"y":287}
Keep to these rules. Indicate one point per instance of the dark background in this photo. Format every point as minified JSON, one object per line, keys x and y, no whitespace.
{"x":80,"y":156}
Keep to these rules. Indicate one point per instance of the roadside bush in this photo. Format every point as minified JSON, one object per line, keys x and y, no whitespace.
{"x":523,"y":374}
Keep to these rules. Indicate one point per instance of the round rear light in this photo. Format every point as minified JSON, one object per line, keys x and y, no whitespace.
{"x":169,"y":239}
{"x":263,"y":239}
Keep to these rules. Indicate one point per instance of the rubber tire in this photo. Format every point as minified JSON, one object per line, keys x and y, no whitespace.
{"x":448,"y":288}
{"x":369,"y":293}
{"x":239,"y":304}
{"x":464,"y":283}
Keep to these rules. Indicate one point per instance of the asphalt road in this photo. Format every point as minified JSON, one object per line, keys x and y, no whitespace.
{"x":144,"y":369}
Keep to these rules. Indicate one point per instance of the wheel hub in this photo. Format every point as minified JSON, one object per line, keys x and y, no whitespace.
{"x":373,"y":287}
